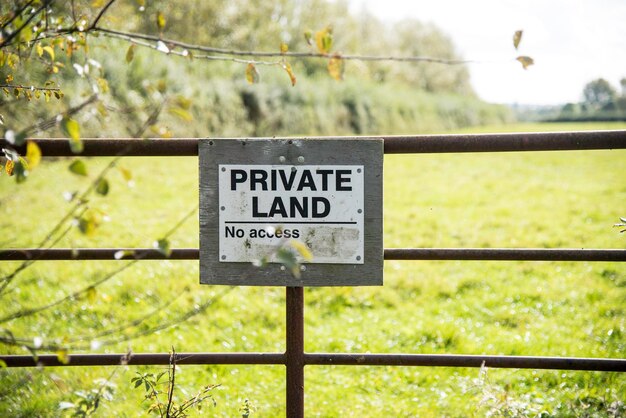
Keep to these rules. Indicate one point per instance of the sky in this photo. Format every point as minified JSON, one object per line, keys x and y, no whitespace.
{"x":571,"y":41}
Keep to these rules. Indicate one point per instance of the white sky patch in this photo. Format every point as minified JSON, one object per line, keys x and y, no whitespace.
{"x":572,"y":42}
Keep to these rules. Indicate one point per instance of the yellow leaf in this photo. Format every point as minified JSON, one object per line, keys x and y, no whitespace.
{"x":91,"y":294}
{"x":50,"y":51}
{"x":9,"y":78}
{"x":283,"y":48}
{"x":9,"y":166}
{"x":63,"y":356}
{"x":126,"y":174}
{"x":160,"y":20}
{"x":252,"y":75}
{"x":130,"y":53}
{"x":324,"y":40}
{"x":39,"y":50}
{"x":335,"y":67}
{"x":33,"y":154}
{"x":517,"y":37}
{"x":302,"y":249}
{"x":292,"y":76}
{"x":103,"y":85}
{"x":181,"y":113}
{"x":526,"y":61}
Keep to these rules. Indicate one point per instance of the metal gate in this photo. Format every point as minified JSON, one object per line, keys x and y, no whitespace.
{"x":295,"y":358}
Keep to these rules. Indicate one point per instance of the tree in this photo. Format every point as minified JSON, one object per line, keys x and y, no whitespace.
{"x":598,"y":93}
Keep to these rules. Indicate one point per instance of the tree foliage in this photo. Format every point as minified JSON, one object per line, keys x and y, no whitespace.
{"x":598,"y":93}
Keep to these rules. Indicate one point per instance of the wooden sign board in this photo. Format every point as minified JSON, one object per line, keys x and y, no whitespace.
{"x":291,"y":212}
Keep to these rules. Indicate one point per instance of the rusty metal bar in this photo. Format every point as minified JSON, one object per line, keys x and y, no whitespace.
{"x":294,"y":356}
{"x":485,"y":254}
{"x":24,"y":254}
{"x":504,"y":142}
{"x":328,"y":359}
{"x":503,"y":254}
{"x":144,"y":359}
{"x":456,"y":360}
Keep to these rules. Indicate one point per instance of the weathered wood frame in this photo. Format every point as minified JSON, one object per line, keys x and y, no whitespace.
{"x":332,"y":151}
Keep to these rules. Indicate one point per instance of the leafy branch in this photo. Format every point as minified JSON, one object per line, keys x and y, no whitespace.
{"x":168,"y":407}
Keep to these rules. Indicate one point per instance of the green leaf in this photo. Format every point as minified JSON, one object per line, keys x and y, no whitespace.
{"x":517,"y":37}
{"x":20,"y":171}
{"x":130,"y":53}
{"x":163,"y":245}
{"x":71,"y":129}
{"x":3,"y":364}
{"x":324,"y":40}
{"x":102,"y":188}
{"x":252,"y":75}
{"x":78,"y":167}
{"x":89,"y":222}
{"x":288,"y":259}
{"x":525,"y":61}
{"x":308,"y":37}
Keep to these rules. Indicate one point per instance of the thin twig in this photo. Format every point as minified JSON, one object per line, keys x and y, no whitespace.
{"x":172,"y":382}
{"x":102,"y":12}
{"x":19,"y":86}
{"x":232,"y":52}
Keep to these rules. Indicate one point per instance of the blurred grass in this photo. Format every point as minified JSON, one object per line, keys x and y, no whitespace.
{"x":548,"y":199}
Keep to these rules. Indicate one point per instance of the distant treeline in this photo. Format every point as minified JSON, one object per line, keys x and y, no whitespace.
{"x":601,"y":103}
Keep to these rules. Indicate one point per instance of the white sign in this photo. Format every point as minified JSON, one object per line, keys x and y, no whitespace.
{"x":263,"y":207}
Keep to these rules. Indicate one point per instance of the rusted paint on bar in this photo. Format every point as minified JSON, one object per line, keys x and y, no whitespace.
{"x":484,"y":254}
{"x":145,"y":359}
{"x":453,"y":143}
{"x":455,"y":360}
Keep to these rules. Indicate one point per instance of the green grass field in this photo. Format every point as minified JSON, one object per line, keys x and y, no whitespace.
{"x":545,"y":199}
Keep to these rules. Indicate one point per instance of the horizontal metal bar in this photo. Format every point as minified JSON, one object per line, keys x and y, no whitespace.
{"x":23,"y":254}
{"x":451,"y":143}
{"x":455,"y":360}
{"x":144,"y":359}
{"x":485,"y":254}
{"x":505,"y":142}
{"x":328,"y":359}
{"x":504,"y":254}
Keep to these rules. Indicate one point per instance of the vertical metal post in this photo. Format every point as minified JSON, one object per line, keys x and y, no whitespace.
{"x":294,"y":356}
